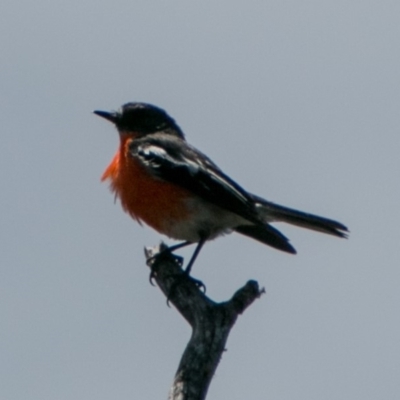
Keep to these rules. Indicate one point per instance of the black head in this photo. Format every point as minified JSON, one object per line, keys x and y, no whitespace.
{"x":143,"y":119}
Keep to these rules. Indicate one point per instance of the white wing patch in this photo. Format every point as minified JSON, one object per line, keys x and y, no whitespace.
{"x":152,"y":151}
{"x":151,"y":156}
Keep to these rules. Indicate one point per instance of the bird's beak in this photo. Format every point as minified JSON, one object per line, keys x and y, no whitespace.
{"x":110,"y":116}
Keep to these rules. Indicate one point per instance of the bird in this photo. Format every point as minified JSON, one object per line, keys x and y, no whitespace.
{"x":166,"y":183}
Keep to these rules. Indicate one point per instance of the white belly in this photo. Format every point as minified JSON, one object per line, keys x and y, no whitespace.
{"x":207,"y":221}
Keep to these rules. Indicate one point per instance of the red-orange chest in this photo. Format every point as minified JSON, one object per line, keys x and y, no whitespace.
{"x":145,"y":197}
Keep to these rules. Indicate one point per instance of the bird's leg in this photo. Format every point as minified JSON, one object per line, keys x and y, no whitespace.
{"x":186,"y":274}
{"x":194,"y":256}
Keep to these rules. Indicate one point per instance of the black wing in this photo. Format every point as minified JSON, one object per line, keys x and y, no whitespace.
{"x":173,"y":160}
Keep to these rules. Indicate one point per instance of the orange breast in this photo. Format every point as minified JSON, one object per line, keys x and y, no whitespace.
{"x":157,"y":203}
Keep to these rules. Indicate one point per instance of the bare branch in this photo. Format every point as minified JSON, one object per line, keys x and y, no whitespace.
{"x":211,"y":322}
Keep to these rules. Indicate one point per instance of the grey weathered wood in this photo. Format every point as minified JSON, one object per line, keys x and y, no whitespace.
{"x":211,"y":323}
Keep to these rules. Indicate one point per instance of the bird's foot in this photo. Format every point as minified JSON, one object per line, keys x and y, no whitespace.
{"x":154,"y":260}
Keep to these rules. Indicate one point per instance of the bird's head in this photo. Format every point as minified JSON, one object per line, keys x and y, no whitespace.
{"x":141,"y":119}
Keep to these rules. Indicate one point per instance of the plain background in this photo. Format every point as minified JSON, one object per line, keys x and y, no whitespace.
{"x":296,"y":100}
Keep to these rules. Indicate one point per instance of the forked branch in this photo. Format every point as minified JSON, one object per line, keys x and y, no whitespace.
{"x":211,"y":322}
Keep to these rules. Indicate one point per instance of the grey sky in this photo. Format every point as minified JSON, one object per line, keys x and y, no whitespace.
{"x":297,"y":101}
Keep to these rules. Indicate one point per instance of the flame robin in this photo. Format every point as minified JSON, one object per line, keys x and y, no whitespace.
{"x":166,"y":183}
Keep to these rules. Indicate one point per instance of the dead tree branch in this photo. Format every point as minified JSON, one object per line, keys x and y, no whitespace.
{"x":211,"y":323}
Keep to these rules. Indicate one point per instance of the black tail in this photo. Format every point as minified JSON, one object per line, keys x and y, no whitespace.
{"x":268,"y":235}
{"x":275,"y":212}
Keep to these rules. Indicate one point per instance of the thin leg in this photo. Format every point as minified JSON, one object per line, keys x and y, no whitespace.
{"x":194,"y":256}
{"x":186,"y":273}
{"x":188,"y":268}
